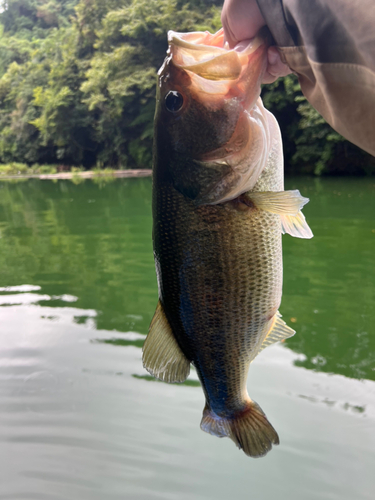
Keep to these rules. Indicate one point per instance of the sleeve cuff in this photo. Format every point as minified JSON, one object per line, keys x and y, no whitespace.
{"x":274,"y":15}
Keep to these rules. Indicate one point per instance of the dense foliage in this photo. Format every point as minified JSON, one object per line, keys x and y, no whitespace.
{"x":77,"y":85}
{"x":310,"y":144}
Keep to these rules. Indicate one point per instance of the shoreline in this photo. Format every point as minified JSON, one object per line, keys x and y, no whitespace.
{"x":89,"y":174}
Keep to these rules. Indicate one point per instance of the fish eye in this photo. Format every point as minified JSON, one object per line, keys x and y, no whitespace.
{"x":174,"y":101}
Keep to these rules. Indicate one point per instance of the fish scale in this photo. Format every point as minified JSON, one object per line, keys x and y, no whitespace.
{"x":228,"y":262}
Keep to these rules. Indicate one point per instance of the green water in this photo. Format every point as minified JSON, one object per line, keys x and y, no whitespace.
{"x":80,"y":418}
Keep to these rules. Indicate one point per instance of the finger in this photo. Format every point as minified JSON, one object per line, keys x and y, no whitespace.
{"x":241,"y":20}
{"x":276,"y":67}
{"x":229,"y":37}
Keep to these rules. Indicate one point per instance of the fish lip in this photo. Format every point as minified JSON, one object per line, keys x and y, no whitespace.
{"x":199,"y":53}
{"x":180,"y":39}
{"x":217,"y":72}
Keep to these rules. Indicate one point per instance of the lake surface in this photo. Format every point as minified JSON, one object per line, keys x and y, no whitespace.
{"x":81,"y":419}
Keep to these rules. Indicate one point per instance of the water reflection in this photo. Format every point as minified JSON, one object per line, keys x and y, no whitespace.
{"x":329,"y":284}
{"x":129,"y":338}
{"x":79,"y":420}
{"x":92,"y":244}
{"x":54,"y":235}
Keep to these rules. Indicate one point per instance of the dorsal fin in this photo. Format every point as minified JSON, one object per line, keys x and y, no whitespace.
{"x":162,"y":356}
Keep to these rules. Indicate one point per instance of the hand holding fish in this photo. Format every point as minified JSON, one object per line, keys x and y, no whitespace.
{"x":328,"y":44}
{"x":241,"y":21}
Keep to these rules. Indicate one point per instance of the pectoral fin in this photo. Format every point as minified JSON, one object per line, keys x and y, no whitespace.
{"x":162,"y":356}
{"x":288,"y":205}
{"x":278,"y":331}
{"x":278,"y":202}
{"x":296,"y":225}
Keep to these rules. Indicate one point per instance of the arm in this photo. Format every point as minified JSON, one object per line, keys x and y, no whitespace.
{"x":330,"y":45}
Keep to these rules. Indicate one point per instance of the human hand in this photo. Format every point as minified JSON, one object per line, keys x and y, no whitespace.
{"x":242,"y":20}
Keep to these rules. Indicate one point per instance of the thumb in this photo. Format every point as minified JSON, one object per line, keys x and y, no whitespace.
{"x":276,"y":67}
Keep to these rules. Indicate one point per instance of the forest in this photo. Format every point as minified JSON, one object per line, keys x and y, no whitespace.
{"x":78,"y":78}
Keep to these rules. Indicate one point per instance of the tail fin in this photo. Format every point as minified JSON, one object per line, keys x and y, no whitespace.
{"x":250,"y":430}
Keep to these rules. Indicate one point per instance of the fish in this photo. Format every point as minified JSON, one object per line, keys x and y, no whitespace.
{"x":219,"y":211}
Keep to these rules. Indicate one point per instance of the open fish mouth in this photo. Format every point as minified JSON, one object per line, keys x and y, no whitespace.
{"x":216,"y":69}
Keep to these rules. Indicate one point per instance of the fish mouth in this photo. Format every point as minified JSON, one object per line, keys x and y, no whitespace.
{"x":216,"y":70}
{"x":207,"y":55}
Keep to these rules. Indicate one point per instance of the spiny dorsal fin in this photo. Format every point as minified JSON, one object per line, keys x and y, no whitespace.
{"x":288,"y":205}
{"x":162,"y":356}
{"x":278,"y":331}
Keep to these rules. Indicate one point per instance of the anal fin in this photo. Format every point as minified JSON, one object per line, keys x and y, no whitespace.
{"x":278,"y":331}
{"x":162,"y":356}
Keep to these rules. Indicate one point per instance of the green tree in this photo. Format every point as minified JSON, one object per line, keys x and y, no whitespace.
{"x":121,"y":82}
{"x":310,"y":144}
{"x":78,"y":78}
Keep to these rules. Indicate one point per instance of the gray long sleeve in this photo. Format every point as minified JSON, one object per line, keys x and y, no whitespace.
{"x":330,"y":45}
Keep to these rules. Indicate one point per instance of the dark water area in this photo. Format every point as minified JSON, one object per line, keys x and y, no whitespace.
{"x":80,"y":417}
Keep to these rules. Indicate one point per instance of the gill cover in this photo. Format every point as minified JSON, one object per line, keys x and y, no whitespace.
{"x":221,"y":136}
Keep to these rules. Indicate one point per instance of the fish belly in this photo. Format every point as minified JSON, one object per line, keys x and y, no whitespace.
{"x":220,"y":280}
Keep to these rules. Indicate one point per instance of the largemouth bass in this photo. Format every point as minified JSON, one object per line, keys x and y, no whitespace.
{"x":219,"y":209}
